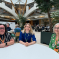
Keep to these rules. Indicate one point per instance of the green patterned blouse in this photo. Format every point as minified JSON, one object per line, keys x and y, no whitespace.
{"x":52,"y":42}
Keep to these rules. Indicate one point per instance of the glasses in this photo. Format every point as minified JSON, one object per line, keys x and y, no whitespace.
{"x":56,"y":28}
{"x":2,"y":28}
{"x":27,"y":26}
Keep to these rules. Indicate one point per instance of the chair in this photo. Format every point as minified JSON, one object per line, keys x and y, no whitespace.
{"x":31,"y":40}
{"x":46,"y":37}
{"x":17,"y":34}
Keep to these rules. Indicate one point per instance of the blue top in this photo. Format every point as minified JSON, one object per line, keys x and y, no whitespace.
{"x":26,"y":37}
{"x":17,"y":29}
{"x":8,"y":28}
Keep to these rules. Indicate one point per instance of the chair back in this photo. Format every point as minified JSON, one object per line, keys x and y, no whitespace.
{"x":17,"y":34}
{"x":31,"y":40}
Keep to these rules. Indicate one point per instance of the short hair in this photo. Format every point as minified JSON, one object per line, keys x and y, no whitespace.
{"x":54,"y":26}
{"x":5,"y":27}
{"x":8,"y":24}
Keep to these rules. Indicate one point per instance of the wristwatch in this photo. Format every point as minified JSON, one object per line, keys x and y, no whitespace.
{"x":6,"y":43}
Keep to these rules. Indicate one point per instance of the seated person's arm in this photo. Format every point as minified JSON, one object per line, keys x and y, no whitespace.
{"x":26,"y":43}
{"x":10,"y":42}
{"x":22,"y":42}
{"x":10,"y":28}
{"x":2,"y":45}
{"x":50,"y":44}
{"x":20,"y":39}
{"x":34,"y":40}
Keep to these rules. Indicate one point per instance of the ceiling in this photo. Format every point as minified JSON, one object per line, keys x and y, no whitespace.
{"x":21,"y":1}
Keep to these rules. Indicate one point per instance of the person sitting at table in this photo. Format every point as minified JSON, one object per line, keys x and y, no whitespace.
{"x":17,"y":31}
{"x":26,"y":35}
{"x":54,"y":43}
{"x":17,"y":28}
{"x":8,"y":27}
{"x":5,"y":37}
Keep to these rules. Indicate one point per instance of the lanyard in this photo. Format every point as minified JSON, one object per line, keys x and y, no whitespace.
{"x":3,"y":39}
{"x":27,"y":37}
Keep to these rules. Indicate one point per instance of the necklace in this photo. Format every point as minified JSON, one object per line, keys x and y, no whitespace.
{"x":27,"y":37}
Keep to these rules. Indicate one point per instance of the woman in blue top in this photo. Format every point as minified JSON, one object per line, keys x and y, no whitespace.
{"x":26,"y":35}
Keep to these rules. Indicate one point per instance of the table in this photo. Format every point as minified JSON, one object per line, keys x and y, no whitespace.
{"x":19,"y":51}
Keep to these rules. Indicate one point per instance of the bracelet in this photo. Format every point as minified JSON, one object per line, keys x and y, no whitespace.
{"x":6,"y":43}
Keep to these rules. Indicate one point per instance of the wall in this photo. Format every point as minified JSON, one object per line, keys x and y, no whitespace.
{"x":12,"y":24}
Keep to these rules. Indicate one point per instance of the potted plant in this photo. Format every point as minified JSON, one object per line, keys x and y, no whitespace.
{"x":21,"y":21}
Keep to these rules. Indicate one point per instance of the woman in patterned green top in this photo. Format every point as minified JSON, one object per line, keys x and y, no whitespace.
{"x":54,"y":43}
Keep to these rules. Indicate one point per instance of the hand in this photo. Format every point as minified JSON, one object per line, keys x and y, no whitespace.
{"x":2,"y":45}
{"x":6,"y":46}
{"x":58,"y":52}
{"x":27,"y":44}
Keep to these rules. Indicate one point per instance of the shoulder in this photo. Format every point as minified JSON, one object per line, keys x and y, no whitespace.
{"x":32,"y":34}
{"x":19,"y":28}
{"x":21,"y":33}
{"x":15,"y":28}
{"x":53,"y":35}
{"x":9,"y":27}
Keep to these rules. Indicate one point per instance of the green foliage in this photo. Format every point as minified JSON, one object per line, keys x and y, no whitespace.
{"x":55,"y":17}
{"x":21,"y":21}
{"x":46,"y":5}
{"x":56,"y":4}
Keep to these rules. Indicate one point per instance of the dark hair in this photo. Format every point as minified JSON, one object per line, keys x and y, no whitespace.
{"x":5,"y":27}
{"x":8,"y":24}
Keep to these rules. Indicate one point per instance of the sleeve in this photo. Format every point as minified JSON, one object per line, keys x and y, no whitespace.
{"x":33,"y":38}
{"x":10,"y":28}
{"x":9,"y":37}
{"x":20,"y":37}
{"x":50,"y":44}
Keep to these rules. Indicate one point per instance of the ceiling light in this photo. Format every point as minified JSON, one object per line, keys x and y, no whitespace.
{"x":41,"y":16}
{"x":28,"y":19}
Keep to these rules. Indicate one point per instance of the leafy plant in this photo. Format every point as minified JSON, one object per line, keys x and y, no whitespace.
{"x":55,"y":17}
{"x":21,"y":21}
{"x":45,"y":6}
